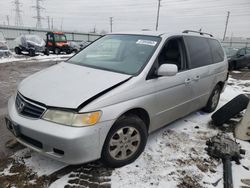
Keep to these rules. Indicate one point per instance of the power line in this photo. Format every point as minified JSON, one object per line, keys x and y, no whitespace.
{"x":225,"y":32}
{"x":38,"y":16}
{"x":158,"y":12}
{"x":18,"y":18}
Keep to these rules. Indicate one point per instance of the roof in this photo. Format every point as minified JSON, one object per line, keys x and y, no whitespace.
{"x":160,"y":33}
{"x":150,"y":33}
{"x":56,"y":32}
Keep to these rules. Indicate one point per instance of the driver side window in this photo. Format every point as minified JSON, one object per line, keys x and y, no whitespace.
{"x":172,"y":53}
{"x":50,"y":38}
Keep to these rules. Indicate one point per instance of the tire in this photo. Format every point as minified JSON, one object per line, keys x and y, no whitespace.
{"x":46,"y":52}
{"x":213,"y":100}
{"x":31,"y":52}
{"x":232,"y":66}
{"x":57,"y":51}
{"x":68,"y":51}
{"x":121,"y":128}
{"x":18,"y":50}
{"x":229,"y":110}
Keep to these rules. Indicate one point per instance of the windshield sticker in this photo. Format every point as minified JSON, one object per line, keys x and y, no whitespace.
{"x":147,"y":42}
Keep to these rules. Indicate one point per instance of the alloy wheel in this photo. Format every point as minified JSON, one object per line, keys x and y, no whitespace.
{"x":124,"y":143}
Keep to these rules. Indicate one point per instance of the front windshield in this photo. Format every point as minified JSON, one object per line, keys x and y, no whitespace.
{"x":60,"y":38}
{"x":119,"y":53}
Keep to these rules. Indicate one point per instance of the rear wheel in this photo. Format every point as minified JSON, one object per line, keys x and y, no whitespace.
{"x":18,"y":50}
{"x":232,"y":66}
{"x":31,"y":52}
{"x":125,"y":141}
{"x":68,"y":51}
{"x":46,"y":52}
{"x":213,"y":100}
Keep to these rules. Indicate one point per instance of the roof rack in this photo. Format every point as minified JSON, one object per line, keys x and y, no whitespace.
{"x":201,"y":33}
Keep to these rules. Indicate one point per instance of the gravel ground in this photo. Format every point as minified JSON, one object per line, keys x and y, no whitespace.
{"x":11,"y":74}
{"x":243,"y":74}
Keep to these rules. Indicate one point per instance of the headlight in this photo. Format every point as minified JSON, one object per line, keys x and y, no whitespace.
{"x":71,"y":118}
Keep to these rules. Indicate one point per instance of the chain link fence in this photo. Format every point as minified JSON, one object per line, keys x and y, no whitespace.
{"x":235,"y":44}
{"x":12,"y":32}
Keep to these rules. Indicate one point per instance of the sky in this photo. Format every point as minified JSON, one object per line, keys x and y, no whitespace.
{"x":132,"y":15}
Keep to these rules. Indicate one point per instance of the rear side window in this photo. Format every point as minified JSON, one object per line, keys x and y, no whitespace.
{"x":248,"y":51}
{"x":216,"y":50}
{"x":199,"y":51}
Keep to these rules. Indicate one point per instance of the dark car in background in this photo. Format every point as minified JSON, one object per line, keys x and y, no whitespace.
{"x":240,"y":59}
{"x":230,"y":51}
{"x":32,"y":44}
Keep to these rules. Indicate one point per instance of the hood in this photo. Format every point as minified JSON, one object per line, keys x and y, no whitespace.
{"x":67,"y":85}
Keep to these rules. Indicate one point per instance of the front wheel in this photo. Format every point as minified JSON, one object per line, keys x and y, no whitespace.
{"x":32,"y":52}
{"x":213,"y":100}
{"x":125,"y":141}
{"x":57,"y":51}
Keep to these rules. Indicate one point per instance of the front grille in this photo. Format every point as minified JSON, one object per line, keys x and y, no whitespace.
{"x":26,"y":108}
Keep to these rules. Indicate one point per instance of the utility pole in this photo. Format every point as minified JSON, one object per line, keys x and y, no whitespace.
{"x":8,"y":19}
{"x":111,"y":24}
{"x":52,"y":24}
{"x":94,"y":29}
{"x":48,"y":22}
{"x":18,"y":18}
{"x":158,"y":13}
{"x":38,"y":16}
{"x":61,"y":24}
{"x":225,"y":32}
{"x":231,"y":39}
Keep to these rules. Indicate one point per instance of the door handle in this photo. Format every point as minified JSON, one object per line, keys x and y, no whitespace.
{"x":187,"y":81}
{"x":197,"y":78}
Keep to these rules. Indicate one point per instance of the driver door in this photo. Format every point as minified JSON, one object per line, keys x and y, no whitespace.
{"x":173,"y":93}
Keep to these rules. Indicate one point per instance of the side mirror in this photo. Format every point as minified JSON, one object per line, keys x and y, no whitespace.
{"x":167,"y":70}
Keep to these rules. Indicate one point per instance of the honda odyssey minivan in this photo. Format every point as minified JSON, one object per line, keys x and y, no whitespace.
{"x":103,"y":102}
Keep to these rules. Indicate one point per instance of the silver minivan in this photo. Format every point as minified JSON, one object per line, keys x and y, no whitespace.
{"x":104,"y":101}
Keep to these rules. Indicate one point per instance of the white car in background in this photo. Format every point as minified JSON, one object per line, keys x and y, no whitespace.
{"x":4,"y":49}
